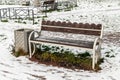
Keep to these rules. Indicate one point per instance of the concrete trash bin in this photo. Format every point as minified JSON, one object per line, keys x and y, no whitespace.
{"x":21,"y":39}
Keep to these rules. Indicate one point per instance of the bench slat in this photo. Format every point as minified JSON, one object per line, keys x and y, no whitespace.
{"x":75,"y":25}
{"x":77,"y":43}
{"x":72,"y":30}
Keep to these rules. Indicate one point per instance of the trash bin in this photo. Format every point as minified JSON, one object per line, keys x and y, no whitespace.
{"x":21,"y":39}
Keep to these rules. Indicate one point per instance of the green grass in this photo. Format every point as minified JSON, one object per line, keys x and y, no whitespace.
{"x":35,"y":22}
{"x":61,"y":57}
{"x":4,"y":20}
{"x":24,"y":22}
{"x":65,"y":58}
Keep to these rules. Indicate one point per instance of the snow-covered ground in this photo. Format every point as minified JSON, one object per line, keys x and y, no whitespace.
{"x":21,"y":68}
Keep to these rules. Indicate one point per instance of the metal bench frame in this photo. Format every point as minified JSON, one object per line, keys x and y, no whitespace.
{"x":96,"y":50}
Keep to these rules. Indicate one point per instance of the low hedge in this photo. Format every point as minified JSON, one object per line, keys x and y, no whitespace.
{"x":62,"y":58}
{"x":65,"y":58}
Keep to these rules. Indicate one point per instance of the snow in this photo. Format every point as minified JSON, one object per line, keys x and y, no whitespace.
{"x":21,"y":68}
{"x":9,"y":6}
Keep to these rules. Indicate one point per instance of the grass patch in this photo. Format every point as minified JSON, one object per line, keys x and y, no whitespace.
{"x":4,"y":20}
{"x":35,"y":22}
{"x":48,"y":11}
{"x":18,"y":21}
{"x":24,"y":22}
{"x":65,"y":58}
{"x":18,"y":53}
{"x":60,"y":57}
{"x":38,"y":16}
{"x":30,"y":18}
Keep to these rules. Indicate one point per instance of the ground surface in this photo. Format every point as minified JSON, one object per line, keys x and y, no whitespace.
{"x":21,"y":68}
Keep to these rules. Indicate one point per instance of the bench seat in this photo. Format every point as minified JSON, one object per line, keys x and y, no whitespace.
{"x":69,"y":42}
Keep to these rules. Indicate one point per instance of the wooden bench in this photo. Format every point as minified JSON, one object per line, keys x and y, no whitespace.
{"x":69,"y":34}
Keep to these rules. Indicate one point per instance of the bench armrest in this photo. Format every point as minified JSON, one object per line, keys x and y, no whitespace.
{"x":97,"y":41}
{"x":34,"y":35}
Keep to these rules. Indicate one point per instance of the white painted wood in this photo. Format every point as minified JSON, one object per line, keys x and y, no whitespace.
{"x":101,"y":35}
{"x":96,"y":52}
{"x":29,"y":42}
{"x":47,"y":43}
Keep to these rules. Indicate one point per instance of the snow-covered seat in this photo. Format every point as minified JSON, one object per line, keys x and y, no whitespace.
{"x":87,"y":36}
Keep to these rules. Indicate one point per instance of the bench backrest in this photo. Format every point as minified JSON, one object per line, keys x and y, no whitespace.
{"x":76,"y":28}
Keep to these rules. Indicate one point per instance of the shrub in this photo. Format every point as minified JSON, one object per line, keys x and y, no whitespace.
{"x":83,"y":55}
{"x":24,"y":22}
{"x":4,"y":20}
{"x":30,"y":18}
{"x":35,"y":22}
{"x":64,"y":58}
{"x":49,"y":57}
{"x":86,"y":63}
{"x":45,"y":56}
{"x":19,"y":21}
{"x":16,"y":21}
{"x":45,"y":48}
{"x":101,"y":61}
{"x":107,"y":55}
{"x":46,"y":11}
{"x":69,"y":57}
{"x":112,"y":56}
{"x":38,"y":17}
{"x":53,"y":58}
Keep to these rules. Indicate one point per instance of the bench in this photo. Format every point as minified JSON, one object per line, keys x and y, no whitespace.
{"x":86,"y":36}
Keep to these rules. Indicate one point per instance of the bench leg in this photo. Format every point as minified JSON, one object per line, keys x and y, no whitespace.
{"x":96,"y":52}
{"x":96,"y":56}
{"x":93,"y":60}
{"x":30,"y":49}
